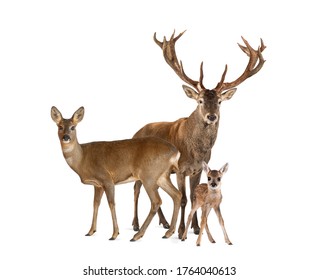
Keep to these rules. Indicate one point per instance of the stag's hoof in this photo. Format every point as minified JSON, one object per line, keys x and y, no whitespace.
{"x":196,"y":231}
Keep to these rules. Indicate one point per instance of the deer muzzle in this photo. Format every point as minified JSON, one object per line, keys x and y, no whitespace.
{"x":66,"y":138}
{"x":211,"y":118}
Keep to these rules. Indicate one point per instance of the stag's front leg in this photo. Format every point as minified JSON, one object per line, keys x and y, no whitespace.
{"x":109,"y":191}
{"x":98,"y":192}
{"x":193,"y":182}
{"x":181,"y":186}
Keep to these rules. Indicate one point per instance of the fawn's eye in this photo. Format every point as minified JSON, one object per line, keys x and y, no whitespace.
{"x":218,"y":179}
{"x":209,"y":178}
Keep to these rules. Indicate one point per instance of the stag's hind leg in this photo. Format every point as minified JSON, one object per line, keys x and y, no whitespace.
{"x":98,"y":192}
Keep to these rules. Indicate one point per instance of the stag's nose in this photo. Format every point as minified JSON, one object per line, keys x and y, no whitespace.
{"x":212,"y":117}
{"x":66,"y":138}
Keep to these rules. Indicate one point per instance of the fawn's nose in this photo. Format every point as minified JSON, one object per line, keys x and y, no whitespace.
{"x":66,"y":138}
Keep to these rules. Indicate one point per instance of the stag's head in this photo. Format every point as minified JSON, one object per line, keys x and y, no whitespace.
{"x":209,"y":100}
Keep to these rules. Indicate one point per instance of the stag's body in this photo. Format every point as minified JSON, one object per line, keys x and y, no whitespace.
{"x":208,"y":196}
{"x":195,"y":136}
{"x":106,"y":164}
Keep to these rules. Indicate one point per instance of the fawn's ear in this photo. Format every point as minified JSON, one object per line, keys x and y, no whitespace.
{"x":224,"y":168}
{"x":205,"y":167}
{"x":56,"y":115}
{"x":78,"y":115}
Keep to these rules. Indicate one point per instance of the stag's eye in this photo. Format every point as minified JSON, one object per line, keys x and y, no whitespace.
{"x":201,"y":101}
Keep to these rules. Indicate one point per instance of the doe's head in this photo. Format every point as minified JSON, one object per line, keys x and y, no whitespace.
{"x":214,"y":177}
{"x":66,"y":127}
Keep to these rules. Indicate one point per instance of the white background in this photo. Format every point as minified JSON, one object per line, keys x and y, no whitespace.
{"x":100,"y":54}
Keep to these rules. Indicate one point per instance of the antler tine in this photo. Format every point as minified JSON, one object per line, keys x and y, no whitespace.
{"x":254,"y":56}
{"x":170,"y":57}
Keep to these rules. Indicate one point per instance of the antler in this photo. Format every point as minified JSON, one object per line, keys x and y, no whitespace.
{"x":254,"y":56}
{"x":169,"y":54}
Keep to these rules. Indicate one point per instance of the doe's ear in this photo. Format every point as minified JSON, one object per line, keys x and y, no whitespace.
{"x":224,"y":168}
{"x":56,"y":115}
{"x":78,"y":115}
{"x":205,"y":167}
{"x":228,"y":94}
{"x":191,"y":93}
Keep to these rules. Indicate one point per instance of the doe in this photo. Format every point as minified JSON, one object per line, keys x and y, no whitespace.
{"x":106,"y":164}
{"x":208,"y":196}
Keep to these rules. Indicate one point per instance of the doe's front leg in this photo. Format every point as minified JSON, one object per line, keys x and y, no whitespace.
{"x":110,"y":198}
{"x":98,"y":193}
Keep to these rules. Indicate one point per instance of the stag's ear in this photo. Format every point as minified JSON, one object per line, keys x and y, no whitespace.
{"x":228,"y":94}
{"x":78,"y":115}
{"x":191,"y":93}
{"x":56,"y":115}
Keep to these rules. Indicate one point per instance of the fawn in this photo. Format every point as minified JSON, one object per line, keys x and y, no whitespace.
{"x":208,"y":196}
{"x":106,"y":164}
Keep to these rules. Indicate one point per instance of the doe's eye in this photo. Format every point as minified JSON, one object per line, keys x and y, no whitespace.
{"x":72,"y":127}
{"x":60,"y":127}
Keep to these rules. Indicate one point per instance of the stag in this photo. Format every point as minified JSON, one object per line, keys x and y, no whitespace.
{"x":194,"y":136}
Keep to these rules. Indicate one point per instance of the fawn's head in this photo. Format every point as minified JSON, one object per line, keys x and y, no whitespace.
{"x":66,"y":127}
{"x":214,"y":177}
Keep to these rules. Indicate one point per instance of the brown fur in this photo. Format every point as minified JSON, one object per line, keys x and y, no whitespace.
{"x":106,"y":164}
{"x":194,"y":136}
{"x":208,"y":196}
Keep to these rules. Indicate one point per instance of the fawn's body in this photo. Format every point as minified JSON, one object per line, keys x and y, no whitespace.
{"x":208,"y":196}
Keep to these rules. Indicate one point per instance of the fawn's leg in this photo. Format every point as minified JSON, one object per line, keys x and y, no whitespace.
{"x":221,"y":222}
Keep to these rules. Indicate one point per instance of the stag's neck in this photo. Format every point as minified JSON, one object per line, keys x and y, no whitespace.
{"x":203,"y":135}
{"x":73,"y":154}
